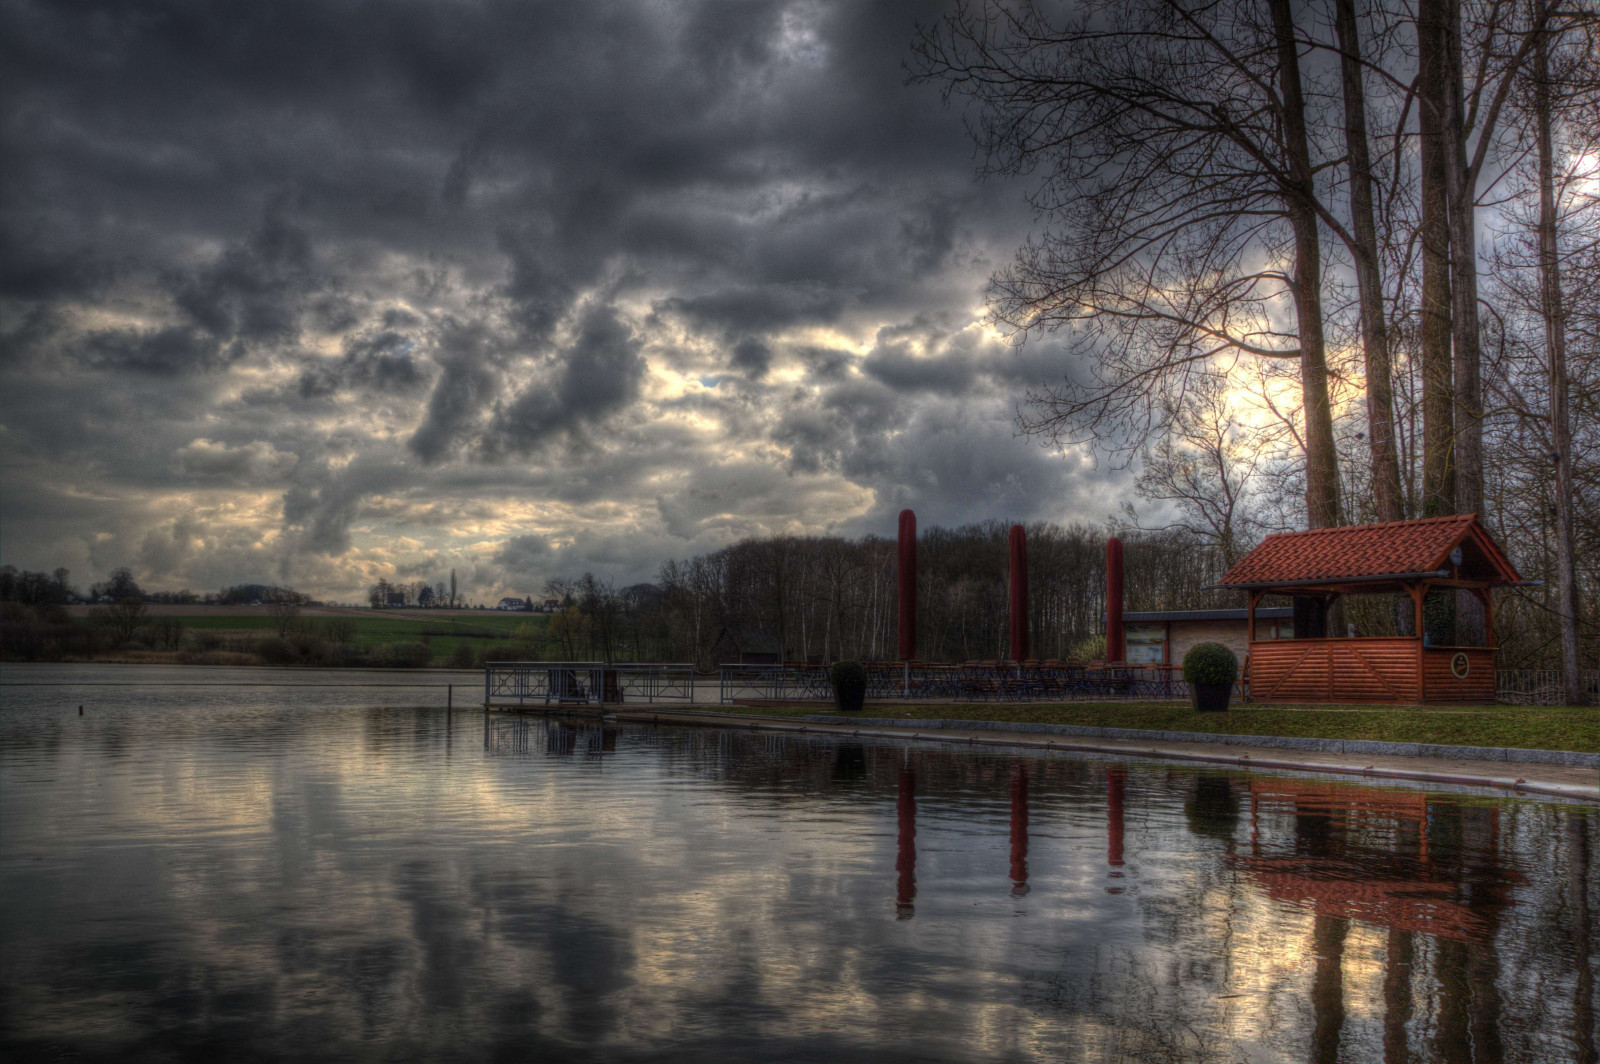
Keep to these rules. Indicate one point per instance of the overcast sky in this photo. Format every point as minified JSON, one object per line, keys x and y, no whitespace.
{"x":320,"y":292}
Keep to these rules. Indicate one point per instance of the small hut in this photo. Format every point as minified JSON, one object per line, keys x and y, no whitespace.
{"x":746,"y":645}
{"x":1418,"y":660}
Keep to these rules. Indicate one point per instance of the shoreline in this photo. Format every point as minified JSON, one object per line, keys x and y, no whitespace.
{"x":1581,"y":783}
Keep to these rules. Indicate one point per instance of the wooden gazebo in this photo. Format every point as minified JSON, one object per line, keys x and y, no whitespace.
{"x":1409,"y":557}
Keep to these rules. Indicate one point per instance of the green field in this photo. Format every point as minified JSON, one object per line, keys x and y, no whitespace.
{"x":1527,"y":727}
{"x":381,"y":629}
{"x":443,"y":635}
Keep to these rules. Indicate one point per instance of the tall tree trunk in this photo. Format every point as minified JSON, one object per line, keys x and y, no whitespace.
{"x":1556,"y":347}
{"x":1465,"y":338}
{"x":1369,"y":279}
{"x":1438,"y":399}
{"x":1323,"y":508}
{"x":1463,"y":192}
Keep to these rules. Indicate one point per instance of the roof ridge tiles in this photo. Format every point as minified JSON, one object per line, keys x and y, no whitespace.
{"x":1441,"y":519}
{"x":1389,"y":548}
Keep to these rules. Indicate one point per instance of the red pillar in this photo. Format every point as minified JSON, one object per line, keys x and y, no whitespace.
{"x":1019,"y":593}
{"x":1019,"y":831}
{"x":907,"y":576}
{"x":905,"y":860}
{"x":1116,"y":650}
{"x":1116,"y":783}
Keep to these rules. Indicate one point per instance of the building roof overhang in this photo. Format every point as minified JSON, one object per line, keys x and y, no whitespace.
{"x":1397,"y":555}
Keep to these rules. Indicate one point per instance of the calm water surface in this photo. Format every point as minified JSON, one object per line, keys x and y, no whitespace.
{"x":205,"y":873}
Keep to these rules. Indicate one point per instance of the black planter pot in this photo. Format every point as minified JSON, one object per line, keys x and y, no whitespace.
{"x":849,"y":699}
{"x":1212,"y":697}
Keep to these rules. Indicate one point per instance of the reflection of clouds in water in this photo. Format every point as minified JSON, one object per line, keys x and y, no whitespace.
{"x":302,"y":883}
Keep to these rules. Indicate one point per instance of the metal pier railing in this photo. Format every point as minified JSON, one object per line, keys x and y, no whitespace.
{"x":973,"y":681}
{"x":526,"y":684}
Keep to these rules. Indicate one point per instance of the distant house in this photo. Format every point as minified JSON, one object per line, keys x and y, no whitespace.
{"x":746,"y":645}
{"x":552,"y":605}
{"x":509,"y":603}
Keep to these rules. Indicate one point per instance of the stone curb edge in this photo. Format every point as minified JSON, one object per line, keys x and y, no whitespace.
{"x":1568,"y":758}
{"x":1103,"y":747}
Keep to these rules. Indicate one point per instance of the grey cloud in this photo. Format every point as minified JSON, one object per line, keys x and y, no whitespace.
{"x":386,"y":362}
{"x":320,"y":509}
{"x":254,"y":289}
{"x":899,"y":369}
{"x":410,"y":260}
{"x":752,"y":357}
{"x":175,"y":349}
{"x":597,"y":375}
{"x":210,"y":459}
{"x":524,"y":556}
{"x":468,"y":355}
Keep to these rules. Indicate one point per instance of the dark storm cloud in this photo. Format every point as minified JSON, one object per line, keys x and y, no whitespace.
{"x":384,"y":362}
{"x":752,"y":357}
{"x":381,"y":269}
{"x":468,"y":355}
{"x":594,"y":377}
{"x":321,"y":508}
{"x":176,"y":349}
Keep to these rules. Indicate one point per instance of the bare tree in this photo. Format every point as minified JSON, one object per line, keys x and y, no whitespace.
{"x":122,"y":619}
{"x":1179,"y":184}
{"x":1384,"y":455}
{"x":283,"y":605}
{"x":1204,"y":467}
{"x":1554,"y":319}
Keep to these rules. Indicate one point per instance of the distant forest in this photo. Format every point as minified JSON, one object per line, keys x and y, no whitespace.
{"x":828,"y":598}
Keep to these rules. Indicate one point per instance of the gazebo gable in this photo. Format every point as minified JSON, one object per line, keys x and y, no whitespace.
{"x":1482,"y":559}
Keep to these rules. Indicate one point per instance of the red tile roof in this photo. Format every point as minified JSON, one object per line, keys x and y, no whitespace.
{"x":1377,"y":551}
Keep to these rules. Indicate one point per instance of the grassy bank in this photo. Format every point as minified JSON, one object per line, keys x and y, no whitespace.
{"x":319,"y":636}
{"x":1528,"y":727}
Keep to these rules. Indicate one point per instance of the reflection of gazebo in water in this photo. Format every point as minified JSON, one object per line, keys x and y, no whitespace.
{"x":1401,"y":862}
{"x":1399,"y":887}
{"x":1421,"y":663}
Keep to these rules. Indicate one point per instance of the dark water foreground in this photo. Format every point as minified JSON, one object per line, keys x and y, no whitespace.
{"x":204,"y":874}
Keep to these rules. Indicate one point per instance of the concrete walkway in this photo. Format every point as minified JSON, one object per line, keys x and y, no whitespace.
{"x":1559,"y":780}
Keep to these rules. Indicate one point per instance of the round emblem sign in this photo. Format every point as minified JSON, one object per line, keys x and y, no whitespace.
{"x":1460,"y":666}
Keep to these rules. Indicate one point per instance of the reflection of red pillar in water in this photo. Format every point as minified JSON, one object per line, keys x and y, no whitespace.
{"x":1019,"y":593}
{"x":906,"y":574}
{"x":1019,"y":831}
{"x":905,"y":862}
{"x":1115,"y":649}
{"x":1116,"y":782}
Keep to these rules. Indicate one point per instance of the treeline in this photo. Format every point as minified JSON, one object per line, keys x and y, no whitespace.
{"x":826,"y":598}
{"x":55,"y":588}
{"x":438,"y":595}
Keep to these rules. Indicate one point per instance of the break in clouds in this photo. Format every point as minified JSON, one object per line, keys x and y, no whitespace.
{"x":316,"y":293}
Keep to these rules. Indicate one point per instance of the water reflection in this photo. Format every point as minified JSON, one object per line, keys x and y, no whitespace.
{"x":1019,"y":830}
{"x":905,"y":854}
{"x":195,"y":882}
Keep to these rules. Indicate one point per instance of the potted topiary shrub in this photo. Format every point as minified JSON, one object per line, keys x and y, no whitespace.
{"x":1211,"y":671}
{"x":849,"y":685}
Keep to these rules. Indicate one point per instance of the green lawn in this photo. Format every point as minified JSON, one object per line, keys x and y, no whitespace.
{"x":380,"y":629}
{"x":1532,"y":727}
{"x":442,"y":635}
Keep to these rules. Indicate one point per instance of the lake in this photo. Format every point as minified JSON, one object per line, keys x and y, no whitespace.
{"x":217,"y":871}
